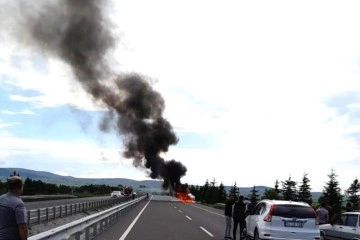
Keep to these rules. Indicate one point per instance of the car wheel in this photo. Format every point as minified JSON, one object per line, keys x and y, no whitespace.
{"x":256,"y":235}
{"x":322,"y":236}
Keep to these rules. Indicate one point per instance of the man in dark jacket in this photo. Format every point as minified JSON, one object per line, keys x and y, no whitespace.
{"x":228,"y":214}
{"x":239,"y":216}
{"x":13,"y":219}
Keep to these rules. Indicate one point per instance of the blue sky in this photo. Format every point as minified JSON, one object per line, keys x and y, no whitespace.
{"x":256,"y":91}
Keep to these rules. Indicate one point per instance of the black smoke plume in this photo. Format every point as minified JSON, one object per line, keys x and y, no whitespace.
{"x":78,"y":32}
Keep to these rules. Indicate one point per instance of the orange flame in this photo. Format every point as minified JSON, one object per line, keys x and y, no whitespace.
{"x":184,"y":197}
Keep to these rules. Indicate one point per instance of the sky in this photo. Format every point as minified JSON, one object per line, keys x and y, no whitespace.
{"x":255,"y":91}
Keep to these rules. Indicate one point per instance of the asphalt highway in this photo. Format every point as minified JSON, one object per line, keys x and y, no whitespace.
{"x":165,"y":218}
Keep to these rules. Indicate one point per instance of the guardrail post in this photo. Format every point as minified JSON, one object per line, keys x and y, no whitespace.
{"x":39,"y":216}
{"x":94,"y":229}
{"x":71,"y":209}
{"x":77,"y":235}
{"x":66,"y":210}
{"x":29,"y":217}
{"x":47,"y":214}
{"x":87,"y":233}
{"x":101,"y":226}
{"x":54,"y":213}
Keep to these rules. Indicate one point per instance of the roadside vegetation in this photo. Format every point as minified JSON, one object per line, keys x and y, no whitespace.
{"x":288,"y":189}
{"x":38,"y":187}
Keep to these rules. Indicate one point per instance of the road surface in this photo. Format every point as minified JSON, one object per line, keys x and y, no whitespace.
{"x":166,"y":218}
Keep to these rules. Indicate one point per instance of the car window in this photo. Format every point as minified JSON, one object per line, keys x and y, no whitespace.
{"x":262,"y":208}
{"x":351,"y":220}
{"x":256,"y":209}
{"x":290,"y":211}
{"x":342,"y":220}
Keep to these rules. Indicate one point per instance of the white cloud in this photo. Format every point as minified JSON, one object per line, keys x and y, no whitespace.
{"x":72,"y":158}
{"x":253,"y":75}
{"x":22,"y":112}
{"x":4,"y":125}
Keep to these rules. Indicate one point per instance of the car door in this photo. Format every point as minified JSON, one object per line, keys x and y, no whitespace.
{"x":333,"y":232}
{"x":251,"y":220}
{"x":350,"y":227}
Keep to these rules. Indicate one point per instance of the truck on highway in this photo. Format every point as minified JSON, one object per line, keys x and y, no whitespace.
{"x":128,"y":191}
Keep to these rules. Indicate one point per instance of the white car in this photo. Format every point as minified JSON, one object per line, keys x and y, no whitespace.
{"x":346,"y":228}
{"x":115,"y":194}
{"x":277,"y":219}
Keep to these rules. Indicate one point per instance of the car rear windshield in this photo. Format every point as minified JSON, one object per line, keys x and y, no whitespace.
{"x":291,"y":211}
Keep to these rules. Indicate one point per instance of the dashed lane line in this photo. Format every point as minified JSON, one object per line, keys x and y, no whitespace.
{"x":207,"y":232}
{"x":188,"y":218}
{"x":207,"y":210}
{"x":133,"y":222}
{"x":180,"y":211}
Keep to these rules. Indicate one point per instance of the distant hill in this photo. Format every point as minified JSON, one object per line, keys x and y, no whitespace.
{"x":245,"y":191}
{"x":72,"y":181}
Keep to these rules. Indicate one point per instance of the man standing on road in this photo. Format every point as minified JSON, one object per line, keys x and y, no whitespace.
{"x":323,"y":214}
{"x":239,"y":216}
{"x":13,"y":223}
{"x":228,"y":214}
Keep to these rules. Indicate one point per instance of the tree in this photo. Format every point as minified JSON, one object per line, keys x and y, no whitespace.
{"x":234,"y":191}
{"x":270,"y":194}
{"x":221,"y":193}
{"x":2,"y":187}
{"x":211,"y":196}
{"x":304,"y":193}
{"x":254,"y":197}
{"x":289,"y":189}
{"x":277,"y":190}
{"x":204,"y":191}
{"x":353,"y":197}
{"x":332,"y":197}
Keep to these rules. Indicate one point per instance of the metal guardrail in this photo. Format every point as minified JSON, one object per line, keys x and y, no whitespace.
{"x":41,"y":215}
{"x":88,"y":227}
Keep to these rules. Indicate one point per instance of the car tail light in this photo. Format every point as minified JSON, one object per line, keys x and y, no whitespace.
{"x":316,"y":217}
{"x":268,"y":216}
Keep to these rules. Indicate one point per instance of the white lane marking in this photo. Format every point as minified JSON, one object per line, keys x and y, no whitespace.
{"x":180,"y":211}
{"x":207,"y":232}
{"x":188,"y":217}
{"x":207,"y":210}
{"x":133,"y":222}
{"x":174,"y":207}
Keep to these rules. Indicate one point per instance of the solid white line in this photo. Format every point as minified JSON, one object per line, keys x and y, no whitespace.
{"x":207,"y":210}
{"x":180,"y":211}
{"x":188,"y":217}
{"x":207,"y":232}
{"x":133,"y":222}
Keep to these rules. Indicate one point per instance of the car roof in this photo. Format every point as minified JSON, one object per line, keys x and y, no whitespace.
{"x":282,"y":202}
{"x":353,"y":213}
